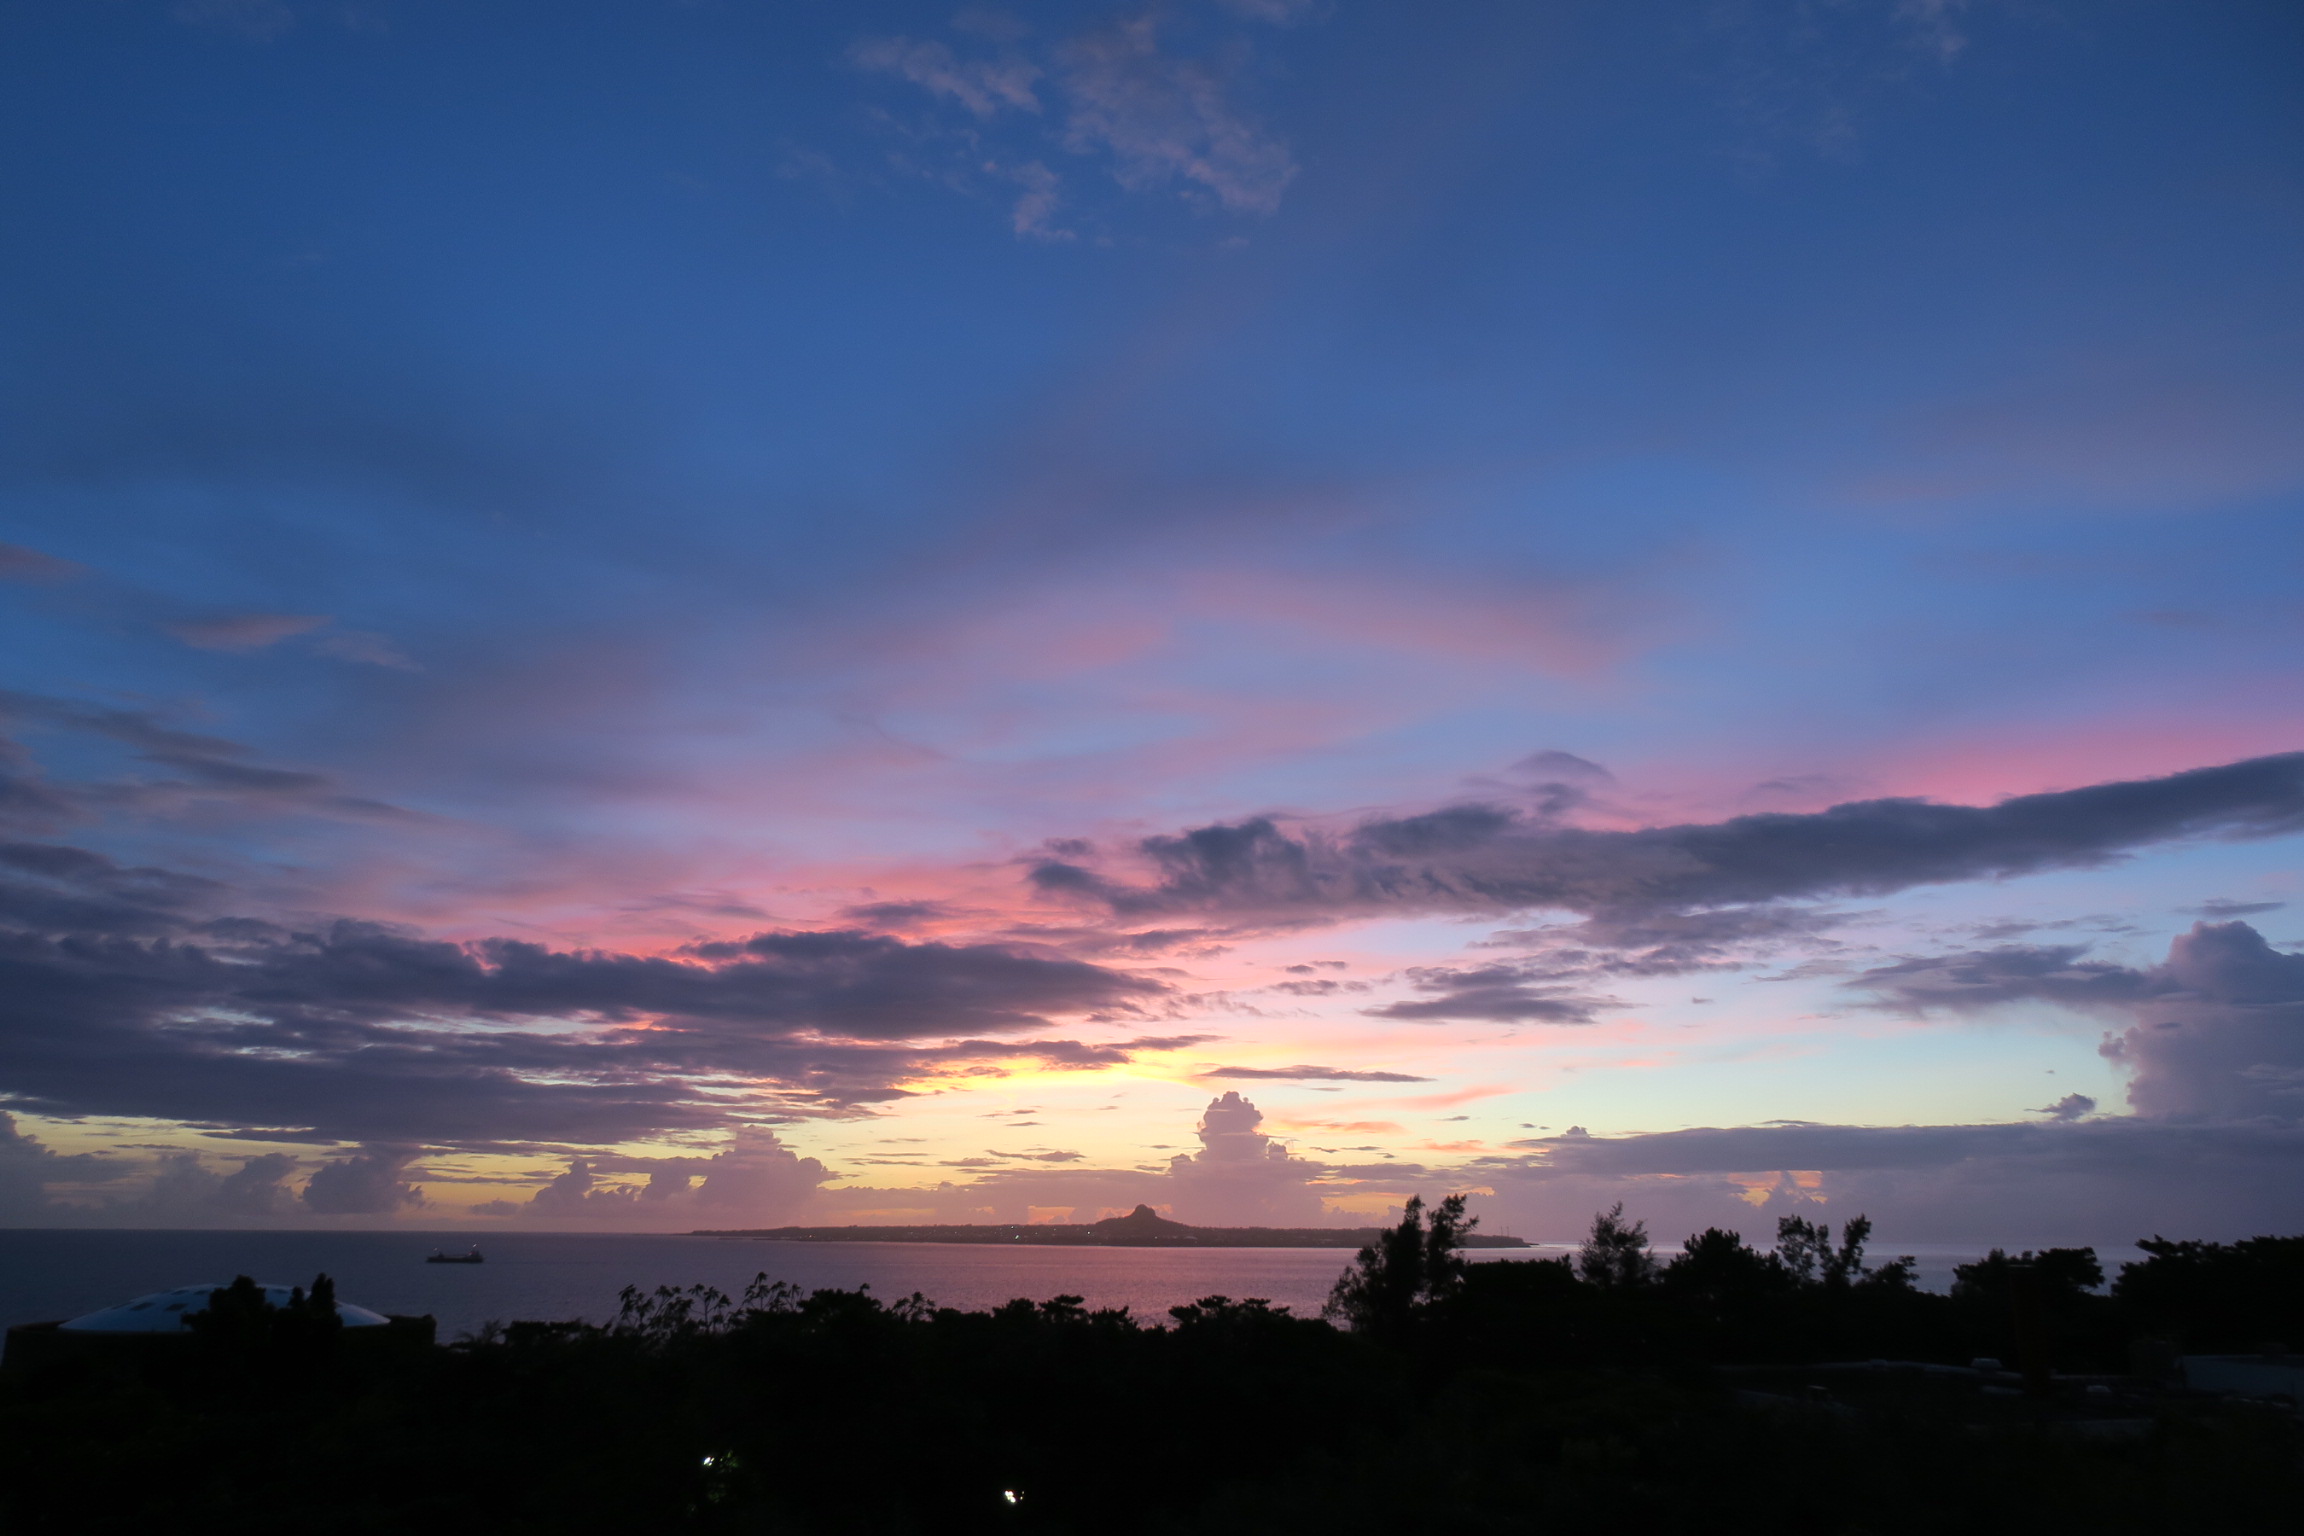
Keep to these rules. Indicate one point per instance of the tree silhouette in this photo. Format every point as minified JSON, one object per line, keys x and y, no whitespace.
{"x":1409,"y":1267}
{"x":1720,"y":1267}
{"x":1805,"y":1250}
{"x":1615,"y":1257}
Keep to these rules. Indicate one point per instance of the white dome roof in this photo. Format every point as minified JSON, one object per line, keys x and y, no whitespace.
{"x":165,"y":1311}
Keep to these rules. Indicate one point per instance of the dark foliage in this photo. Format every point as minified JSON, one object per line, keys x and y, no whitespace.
{"x":2247,"y":1295}
{"x":1401,"y":1275}
{"x":1460,"y":1399}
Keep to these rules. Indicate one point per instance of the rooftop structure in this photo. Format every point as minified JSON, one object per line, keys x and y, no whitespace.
{"x":166,"y":1311}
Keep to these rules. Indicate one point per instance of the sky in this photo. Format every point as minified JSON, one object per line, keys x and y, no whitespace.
{"x":654,"y":614}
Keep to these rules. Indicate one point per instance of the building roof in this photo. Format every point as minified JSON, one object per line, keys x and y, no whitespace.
{"x":165,"y":1311}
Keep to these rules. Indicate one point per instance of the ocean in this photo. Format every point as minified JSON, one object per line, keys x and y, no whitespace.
{"x":543,"y":1275}
{"x":48,"y":1274}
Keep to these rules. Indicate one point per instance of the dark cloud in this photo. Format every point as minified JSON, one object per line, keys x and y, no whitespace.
{"x":196,"y":767}
{"x":1310,"y":1074}
{"x":1670,"y":943}
{"x":27,"y":803}
{"x":896,"y":915}
{"x":1974,"y":980}
{"x":1504,"y":994}
{"x":2221,"y":908}
{"x":120,"y":995}
{"x":51,"y":888}
{"x":2073,"y":1106}
{"x":1497,"y":858}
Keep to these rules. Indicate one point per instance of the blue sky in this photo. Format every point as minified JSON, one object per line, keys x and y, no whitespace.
{"x":624,"y":478}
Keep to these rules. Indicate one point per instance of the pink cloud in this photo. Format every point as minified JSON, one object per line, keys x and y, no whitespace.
{"x":245,"y":631}
{"x":20,"y":564}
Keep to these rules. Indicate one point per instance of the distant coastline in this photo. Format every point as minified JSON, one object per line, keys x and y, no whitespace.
{"x":1141,"y":1228}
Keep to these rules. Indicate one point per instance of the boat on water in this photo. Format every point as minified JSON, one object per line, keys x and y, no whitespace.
{"x":469,"y":1256}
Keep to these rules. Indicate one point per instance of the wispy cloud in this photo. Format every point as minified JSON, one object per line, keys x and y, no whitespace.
{"x":983,"y":86}
{"x":1934,"y":27}
{"x":18,"y":563}
{"x":1166,"y":119}
{"x":1155,"y":109}
{"x":245,"y":631}
{"x":1301,"y":1074}
{"x":257,"y":20}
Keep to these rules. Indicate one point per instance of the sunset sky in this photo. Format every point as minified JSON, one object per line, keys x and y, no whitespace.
{"x":679,"y":613}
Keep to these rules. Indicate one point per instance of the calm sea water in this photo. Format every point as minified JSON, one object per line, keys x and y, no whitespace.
{"x":57,"y":1274}
{"x":538,"y":1275}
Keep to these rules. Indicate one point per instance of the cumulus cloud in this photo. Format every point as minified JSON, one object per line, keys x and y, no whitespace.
{"x":27,"y":1170}
{"x":367,"y":1183}
{"x":187,"y":1191}
{"x":2222,"y":1035}
{"x":2216,"y":1030}
{"x":1242,"y":1172}
{"x":758,"y":1179}
{"x":577,"y":1192}
{"x":754,"y":1181}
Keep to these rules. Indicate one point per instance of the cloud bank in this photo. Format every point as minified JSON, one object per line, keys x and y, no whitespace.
{"x":139,"y":991}
{"x":2215,"y":1031}
{"x":1499,"y":858}
{"x":124,"y":992}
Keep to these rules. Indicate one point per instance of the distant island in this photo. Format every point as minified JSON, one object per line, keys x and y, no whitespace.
{"x":1141,"y":1228}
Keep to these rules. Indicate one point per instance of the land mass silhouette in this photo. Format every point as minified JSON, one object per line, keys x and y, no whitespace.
{"x":1141,"y":1228}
